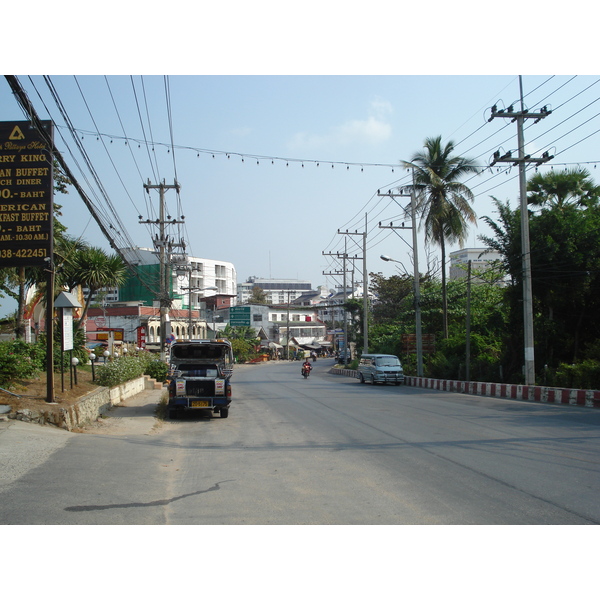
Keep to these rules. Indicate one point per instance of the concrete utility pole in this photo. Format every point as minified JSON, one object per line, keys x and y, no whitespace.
{"x":468,"y":326}
{"x":416,"y":274}
{"x":365,"y":286}
{"x":344,"y":257}
{"x":521,"y":161}
{"x":164,"y":246}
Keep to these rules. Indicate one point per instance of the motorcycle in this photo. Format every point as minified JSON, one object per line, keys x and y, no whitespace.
{"x":306,"y":371}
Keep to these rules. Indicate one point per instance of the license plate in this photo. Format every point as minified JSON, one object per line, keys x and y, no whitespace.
{"x":200,"y":404}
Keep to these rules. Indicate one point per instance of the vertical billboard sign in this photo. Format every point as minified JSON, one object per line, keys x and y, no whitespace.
{"x":26,"y":194}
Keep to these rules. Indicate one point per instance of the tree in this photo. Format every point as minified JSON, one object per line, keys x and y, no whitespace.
{"x":243,"y":341}
{"x":565,"y":266}
{"x":562,"y":188}
{"x":95,"y":269}
{"x":391,"y":295}
{"x":258,"y":296}
{"x":507,"y":240}
{"x":443,"y":202}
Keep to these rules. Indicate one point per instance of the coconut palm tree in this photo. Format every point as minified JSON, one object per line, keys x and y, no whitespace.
{"x":443,"y":202}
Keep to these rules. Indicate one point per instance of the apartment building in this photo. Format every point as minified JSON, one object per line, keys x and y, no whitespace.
{"x":481,"y":260}
{"x":277,"y":291}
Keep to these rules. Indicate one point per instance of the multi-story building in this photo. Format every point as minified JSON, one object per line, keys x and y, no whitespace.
{"x":277,"y":291}
{"x":276,"y":324}
{"x":138,"y":302}
{"x":481,"y":260}
{"x":187,"y":281}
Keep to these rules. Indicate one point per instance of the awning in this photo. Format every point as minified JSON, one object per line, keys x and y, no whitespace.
{"x":274,"y":345}
{"x":311,"y":346}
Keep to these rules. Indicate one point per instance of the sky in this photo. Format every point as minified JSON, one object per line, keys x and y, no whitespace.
{"x":277,"y":151}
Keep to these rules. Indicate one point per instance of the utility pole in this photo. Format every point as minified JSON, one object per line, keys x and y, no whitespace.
{"x":164,"y":246}
{"x":468,"y":344}
{"x":522,"y":161}
{"x":344,"y":257}
{"x":416,"y":275}
{"x":365,"y":285}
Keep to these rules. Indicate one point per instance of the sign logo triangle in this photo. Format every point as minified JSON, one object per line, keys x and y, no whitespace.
{"x":16,"y":134}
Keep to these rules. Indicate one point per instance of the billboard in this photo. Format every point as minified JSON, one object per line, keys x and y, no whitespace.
{"x":26,"y":194}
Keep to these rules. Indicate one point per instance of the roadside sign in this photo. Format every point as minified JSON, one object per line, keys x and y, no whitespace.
{"x":67,"y":329}
{"x":26,"y":194}
{"x":239,"y":316}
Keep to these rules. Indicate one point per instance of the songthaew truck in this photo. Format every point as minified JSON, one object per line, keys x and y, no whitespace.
{"x":200,"y":377}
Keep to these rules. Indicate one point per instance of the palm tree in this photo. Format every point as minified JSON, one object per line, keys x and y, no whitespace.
{"x":95,"y":269}
{"x":562,"y":188}
{"x":443,"y":203}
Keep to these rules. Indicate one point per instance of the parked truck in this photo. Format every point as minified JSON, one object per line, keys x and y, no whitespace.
{"x":200,"y":377}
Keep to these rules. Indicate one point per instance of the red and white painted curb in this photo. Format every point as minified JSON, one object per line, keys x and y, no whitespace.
{"x":548,"y":395}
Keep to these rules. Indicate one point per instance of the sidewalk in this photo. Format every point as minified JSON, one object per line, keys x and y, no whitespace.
{"x":25,"y":446}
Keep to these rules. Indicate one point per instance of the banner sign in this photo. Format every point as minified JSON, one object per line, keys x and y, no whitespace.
{"x":26,"y":195}
{"x":67,"y":329}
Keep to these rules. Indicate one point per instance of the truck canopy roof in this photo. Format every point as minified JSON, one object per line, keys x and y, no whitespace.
{"x":204,"y":351}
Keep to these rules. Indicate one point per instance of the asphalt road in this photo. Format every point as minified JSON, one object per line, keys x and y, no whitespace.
{"x":326,"y":450}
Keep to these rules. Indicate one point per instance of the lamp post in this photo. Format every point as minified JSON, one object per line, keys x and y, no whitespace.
{"x":190,"y":290}
{"x":417,"y":315}
{"x":93,"y":360}
{"x":74,"y":362}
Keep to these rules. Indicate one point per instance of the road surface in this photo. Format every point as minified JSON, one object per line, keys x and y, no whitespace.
{"x":326,"y":450}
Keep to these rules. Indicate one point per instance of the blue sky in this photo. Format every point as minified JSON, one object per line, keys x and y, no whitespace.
{"x":271,"y":166}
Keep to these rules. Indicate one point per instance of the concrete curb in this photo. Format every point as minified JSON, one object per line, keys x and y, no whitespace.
{"x":546,"y":395}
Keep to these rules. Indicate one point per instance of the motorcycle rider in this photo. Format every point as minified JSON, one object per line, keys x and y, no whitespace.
{"x":306,"y":367}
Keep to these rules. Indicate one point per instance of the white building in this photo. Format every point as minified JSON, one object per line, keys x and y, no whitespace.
{"x":278,"y":291}
{"x":195,"y":273}
{"x":481,"y":260}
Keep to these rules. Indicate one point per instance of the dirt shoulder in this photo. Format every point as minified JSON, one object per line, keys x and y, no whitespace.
{"x":136,"y":415}
{"x":32,"y":393}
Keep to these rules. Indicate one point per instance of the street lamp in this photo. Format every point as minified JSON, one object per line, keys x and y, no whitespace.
{"x":190,"y":290}
{"x":74,"y":362}
{"x":93,"y":360}
{"x":417,"y":315}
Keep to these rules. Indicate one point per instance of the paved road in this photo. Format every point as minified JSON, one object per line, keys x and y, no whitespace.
{"x":326,"y":450}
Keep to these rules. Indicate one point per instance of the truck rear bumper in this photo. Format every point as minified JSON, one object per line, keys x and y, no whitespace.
{"x":184,"y":403}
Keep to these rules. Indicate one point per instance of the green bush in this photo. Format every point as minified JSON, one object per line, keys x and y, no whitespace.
{"x":157,"y":369}
{"x":584,"y":375}
{"x":119,"y":370}
{"x":20,"y":360}
{"x":125,"y":368}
